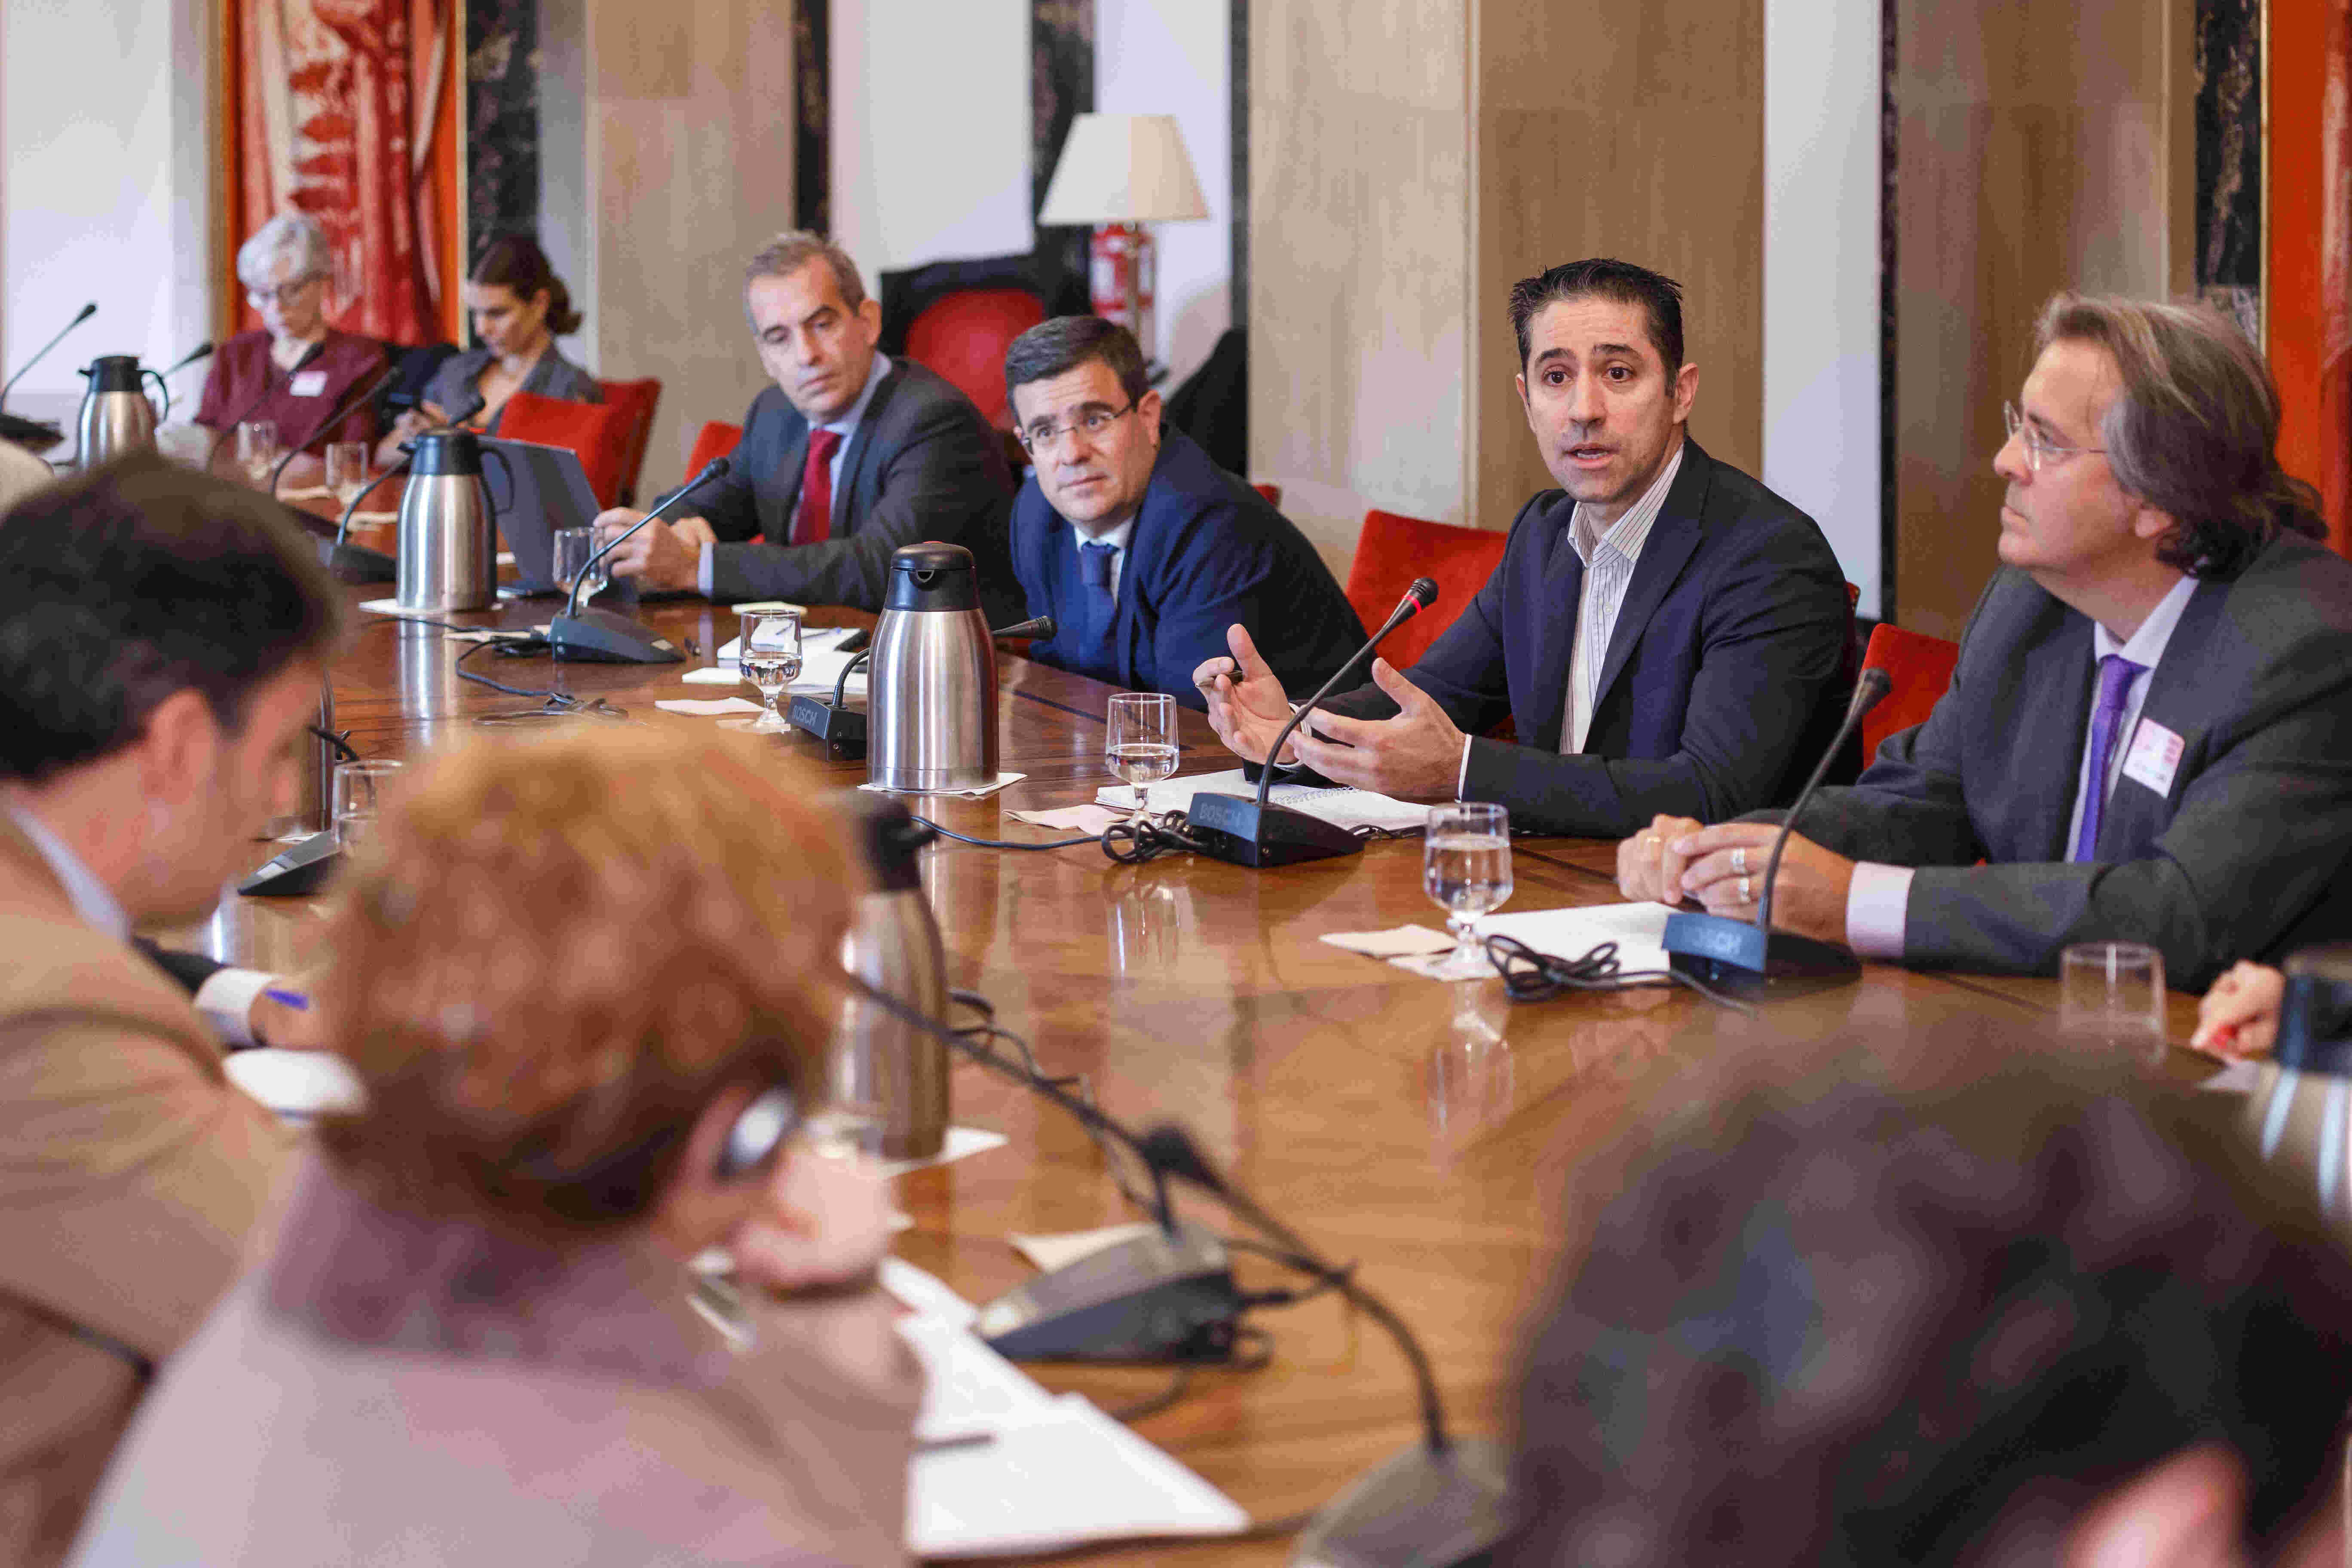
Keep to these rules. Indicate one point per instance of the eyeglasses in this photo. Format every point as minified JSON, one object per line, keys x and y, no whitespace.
{"x":284,"y":294}
{"x":1090,"y":426}
{"x":2040,"y":452}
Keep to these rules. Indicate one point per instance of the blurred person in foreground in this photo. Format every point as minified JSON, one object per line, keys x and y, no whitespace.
{"x":2051,"y":1315}
{"x":162,"y":636}
{"x":473,"y":1342}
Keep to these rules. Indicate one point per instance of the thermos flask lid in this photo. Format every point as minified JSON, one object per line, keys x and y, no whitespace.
{"x":113,"y":372}
{"x":446,"y":452}
{"x":932,"y":577}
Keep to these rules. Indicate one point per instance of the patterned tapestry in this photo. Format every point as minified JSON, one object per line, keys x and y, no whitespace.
{"x":2307,"y":181}
{"x":345,"y":109}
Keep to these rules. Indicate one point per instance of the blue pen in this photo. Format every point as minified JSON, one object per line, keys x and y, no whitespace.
{"x":294,"y":999}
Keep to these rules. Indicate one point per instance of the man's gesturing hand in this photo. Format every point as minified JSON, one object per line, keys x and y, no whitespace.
{"x":1247,"y":707}
{"x":1417,"y":755}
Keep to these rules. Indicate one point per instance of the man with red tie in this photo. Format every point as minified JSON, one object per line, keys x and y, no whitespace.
{"x":849,"y":456}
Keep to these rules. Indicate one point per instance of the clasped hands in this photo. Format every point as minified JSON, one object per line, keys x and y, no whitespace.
{"x":668,"y":554}
{"x":1417,"y":755}
{"x":1676,"y":859}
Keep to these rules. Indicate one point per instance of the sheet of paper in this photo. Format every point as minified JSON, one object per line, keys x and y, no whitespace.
{"x":982,"y":793}
{"x":1052,"y":1252}
{"x":968,"y":1387}
{"x":1056,"y":1480}
{"x":296,"y":1084}
{"x":1637,"y":929}
{"x":2242,"y":1076}
{"x":820,"y":665}
{"x":702,"y":709}
{"x":924,"y":1293}
{"x":962,"y":1143}
{"x":1345,"y":808}
{"x":1088,"y":819}
{"x":1391,"y":943}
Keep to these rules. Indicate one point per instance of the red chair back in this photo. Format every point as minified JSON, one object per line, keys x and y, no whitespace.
{"x":640,"y":398}
{"x":1273,"y":494}
{"x":718,"y":439}
{"x":1922,"y":668}
{"x":597,"y":432}
{"x":963,"y":336}
{"x":1392,"y":551}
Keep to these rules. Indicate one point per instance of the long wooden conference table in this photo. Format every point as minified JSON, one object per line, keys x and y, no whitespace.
{"x":1432,"y":1134}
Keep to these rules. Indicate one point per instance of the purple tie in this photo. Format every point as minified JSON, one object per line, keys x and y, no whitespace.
{"x":2115,"y":673}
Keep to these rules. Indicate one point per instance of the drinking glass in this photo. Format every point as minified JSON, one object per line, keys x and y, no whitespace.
{"x":1140,"y":741}
{"x":347,"y":470}
{"x":1466,"y":867}
{"x":2111,"y":995}
{"x":257,"y":448}
{"x":356,"y":800}
{"x":768,"y":654}
{"x":573,"y":549}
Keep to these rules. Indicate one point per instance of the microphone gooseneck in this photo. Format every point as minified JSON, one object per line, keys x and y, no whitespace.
{"x":714,"y":469}
{"x":229,"y":429}
{"x":1170,"y":1150}
{"x":86,"y":313}
{"x":1417,"y":598}
{"x":341,"y":412}
{"x":202,"y":350}
{"x":1868,"y":692}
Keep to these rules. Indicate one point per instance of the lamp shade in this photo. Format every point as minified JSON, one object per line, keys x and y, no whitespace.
{"x":1123,"y":168}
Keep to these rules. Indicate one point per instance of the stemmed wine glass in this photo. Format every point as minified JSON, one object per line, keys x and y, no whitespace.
{"x":257,"y":448}
{"x":768,"y":653}
{"x":347,"y":470}
{"x":1140,"y":741}
{"x":1466,"y":867}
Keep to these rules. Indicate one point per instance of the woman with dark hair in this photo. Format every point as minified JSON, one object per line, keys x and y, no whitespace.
{"x":519,"y":306}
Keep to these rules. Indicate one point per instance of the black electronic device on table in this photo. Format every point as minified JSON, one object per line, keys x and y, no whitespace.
{"x":296,"y":871}
{"x":606,"y":636}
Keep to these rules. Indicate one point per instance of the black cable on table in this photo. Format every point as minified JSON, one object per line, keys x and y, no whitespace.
{"x":1532,"y":976}
{"x":999,"y":843}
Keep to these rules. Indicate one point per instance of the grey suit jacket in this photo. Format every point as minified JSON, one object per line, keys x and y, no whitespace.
{"x":923,"y":464}
{"x":2243,"y":857}
{"x":456,"y":388}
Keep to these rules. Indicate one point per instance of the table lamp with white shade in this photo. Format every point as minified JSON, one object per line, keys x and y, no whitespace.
{"x":1119,"y":172}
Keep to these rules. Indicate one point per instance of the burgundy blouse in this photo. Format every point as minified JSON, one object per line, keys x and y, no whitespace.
{"x":246,"y":383}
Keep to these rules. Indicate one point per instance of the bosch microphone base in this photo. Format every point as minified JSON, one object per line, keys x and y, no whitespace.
{"x":1734,"y":956}
{"x":1238,"y":830}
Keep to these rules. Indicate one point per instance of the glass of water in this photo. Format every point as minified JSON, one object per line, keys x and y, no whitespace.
{"x":1140,"y":741}
{"x":257,"y":448}
{"x":1466,"y":867}
{"x":574,"y":548}
{"x":347,"y":470}
{"x":768,"y":653}
{"x":2110,"y":997}
{"x":357,"y":799}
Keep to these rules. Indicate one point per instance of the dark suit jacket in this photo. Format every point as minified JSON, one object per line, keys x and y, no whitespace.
{"x":1206,"y":552}
{"x":2244,"y":857}
{"x":1724,"y":679}
{"x":923,"y":464}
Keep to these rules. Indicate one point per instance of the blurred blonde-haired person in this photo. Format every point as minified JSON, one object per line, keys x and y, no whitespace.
{"x":563,"y":973}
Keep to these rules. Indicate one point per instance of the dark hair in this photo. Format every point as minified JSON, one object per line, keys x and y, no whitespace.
{"x":1659,"y":296}
{"x":1837,"y":1324}
{"x":136,"y":581}
{"x":2194,"y":433}
{"x":1056,"y":347}
{"x":515,"y":261}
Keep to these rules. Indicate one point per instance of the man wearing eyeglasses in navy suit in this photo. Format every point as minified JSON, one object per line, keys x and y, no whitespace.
{"x":1142,"y":549}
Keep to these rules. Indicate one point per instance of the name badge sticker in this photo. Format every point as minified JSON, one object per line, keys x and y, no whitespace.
{"x":311,"y":383}
{"x":2154,"y":757}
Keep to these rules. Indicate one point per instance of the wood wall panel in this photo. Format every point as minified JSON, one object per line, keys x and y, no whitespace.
{"x":2039,"y":147}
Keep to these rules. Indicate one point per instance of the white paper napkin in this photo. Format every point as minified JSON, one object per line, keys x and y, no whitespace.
{"x":982,"y":793}
{"x":708,"y":709}
{"x":1089,"y":819}
{"x":1393,"y":944}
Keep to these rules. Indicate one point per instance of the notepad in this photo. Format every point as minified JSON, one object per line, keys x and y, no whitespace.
{"x":820,"y":665}
{"x":1342,"y":808}
{"x":1638,"y":929}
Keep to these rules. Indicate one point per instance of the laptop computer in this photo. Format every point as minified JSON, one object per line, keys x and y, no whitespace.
{"x":551,"y":492}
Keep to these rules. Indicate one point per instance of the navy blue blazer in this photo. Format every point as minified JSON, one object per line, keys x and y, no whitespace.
{"x":1206,"y":552}
{"x":1725,"y":677}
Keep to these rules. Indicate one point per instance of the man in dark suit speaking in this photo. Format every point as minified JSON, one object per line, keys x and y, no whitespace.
{"x":849,"y":456}
{"x":1142,"y":549}
{"x":1667,"y":633}
{"x":2148,"y":735}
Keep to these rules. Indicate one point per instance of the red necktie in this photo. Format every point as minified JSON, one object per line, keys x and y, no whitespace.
{"x":812,"y":523}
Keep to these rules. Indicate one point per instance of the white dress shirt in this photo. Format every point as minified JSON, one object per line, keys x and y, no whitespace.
{"x":1878,"y":900}
{"x":1609,"y":562}
{"x":225,"y":999}
{"x":846,"y":429}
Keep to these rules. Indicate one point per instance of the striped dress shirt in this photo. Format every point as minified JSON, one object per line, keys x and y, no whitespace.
{"x":1609,"y":559}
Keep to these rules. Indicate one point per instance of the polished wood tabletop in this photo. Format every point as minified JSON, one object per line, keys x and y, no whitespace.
{"x":1432,"y":1134}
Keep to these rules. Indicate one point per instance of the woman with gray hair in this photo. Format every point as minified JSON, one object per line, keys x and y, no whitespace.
{"x":295,"y":368}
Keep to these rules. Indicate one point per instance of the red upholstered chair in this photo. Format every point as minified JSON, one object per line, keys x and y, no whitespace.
{"x":1392,"y":551}
{"x":963,"y":336}
{"x":598,"y":432}
{"x":1922,"y":668}
{"x":718,"y":439}
{"x":640,"y":398}
{"x":1273,"y":494}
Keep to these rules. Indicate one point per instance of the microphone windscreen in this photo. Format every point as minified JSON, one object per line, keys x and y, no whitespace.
{"x":1424,"y":592}
{"x":1170,"y":1150}
{"x":1871,"y":689}
{"x":87,"y":312}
